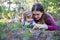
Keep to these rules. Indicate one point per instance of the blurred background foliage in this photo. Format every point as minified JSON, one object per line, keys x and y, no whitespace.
{"x":7,"y":7}
{"x":11,"y":8}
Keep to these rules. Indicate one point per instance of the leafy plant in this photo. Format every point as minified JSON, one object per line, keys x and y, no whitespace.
{"x":56,"y":35}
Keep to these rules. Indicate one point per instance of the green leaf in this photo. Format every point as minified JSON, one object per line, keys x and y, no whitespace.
{"x":27,"y":34}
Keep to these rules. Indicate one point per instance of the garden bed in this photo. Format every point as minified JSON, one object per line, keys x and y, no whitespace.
{"x":19,"y":32}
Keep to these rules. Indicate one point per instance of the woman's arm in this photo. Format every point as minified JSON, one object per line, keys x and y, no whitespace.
{"x":51,"y":23}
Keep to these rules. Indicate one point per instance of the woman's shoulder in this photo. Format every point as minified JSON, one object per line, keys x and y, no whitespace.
{"x":48,"y":15}
{"x":49,"y":19}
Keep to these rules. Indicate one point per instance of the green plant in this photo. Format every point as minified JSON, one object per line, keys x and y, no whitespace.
{"x":3,"y":28}
{"x":56,"y":35}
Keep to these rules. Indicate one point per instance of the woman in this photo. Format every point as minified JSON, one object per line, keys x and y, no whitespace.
{"x":43,"y":20}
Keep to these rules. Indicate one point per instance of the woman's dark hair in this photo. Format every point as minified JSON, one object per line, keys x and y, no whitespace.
{"x":39,"y":7}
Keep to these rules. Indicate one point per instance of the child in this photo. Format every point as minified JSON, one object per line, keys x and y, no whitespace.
{"x":27,"y":18}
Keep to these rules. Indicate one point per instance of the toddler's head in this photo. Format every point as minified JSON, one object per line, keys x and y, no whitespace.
{"x":28,"y":16}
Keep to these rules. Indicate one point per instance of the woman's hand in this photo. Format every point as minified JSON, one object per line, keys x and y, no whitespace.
{"x":38,"y":26}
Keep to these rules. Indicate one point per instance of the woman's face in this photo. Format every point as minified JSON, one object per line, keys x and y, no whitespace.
{"x":37,"y":15}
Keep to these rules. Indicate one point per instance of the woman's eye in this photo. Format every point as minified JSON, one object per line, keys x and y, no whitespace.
{"x":33,"y":14}
{"x":37,"y":14}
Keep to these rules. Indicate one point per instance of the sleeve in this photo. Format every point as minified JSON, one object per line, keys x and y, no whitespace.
{"x":51,"y":23}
